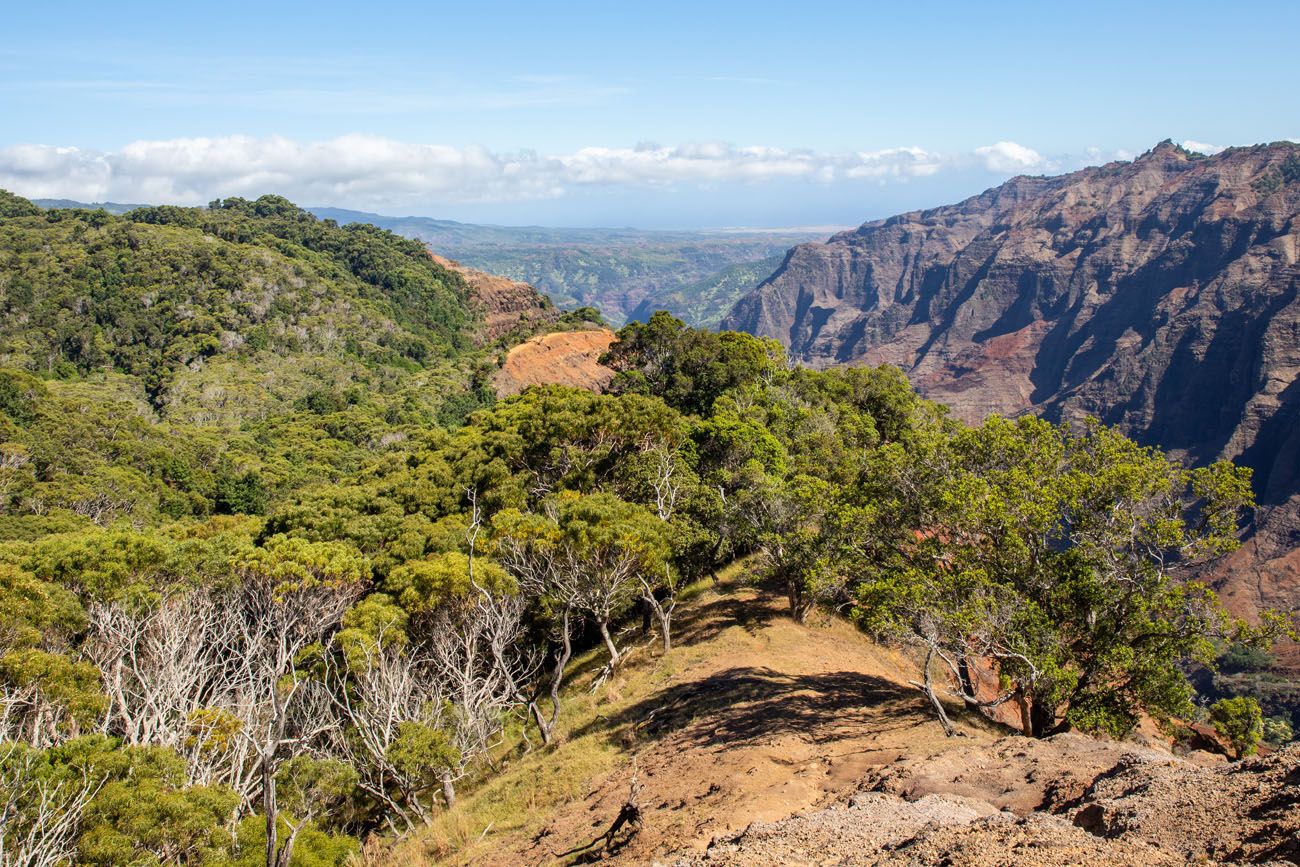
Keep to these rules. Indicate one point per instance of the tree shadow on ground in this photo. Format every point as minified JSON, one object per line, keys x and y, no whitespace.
{"x":697,"y":623}
{"x":708,"y":619}
{"x":750,"y":705}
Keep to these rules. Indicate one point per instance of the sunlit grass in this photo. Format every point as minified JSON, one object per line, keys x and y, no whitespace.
{"x":531,"y":781}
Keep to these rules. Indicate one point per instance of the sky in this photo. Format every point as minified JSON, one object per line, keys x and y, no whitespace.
{"x":654,"y":115}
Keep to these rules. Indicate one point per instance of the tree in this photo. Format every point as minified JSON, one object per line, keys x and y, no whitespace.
{"x":1062,"y":556}
{"x":550,"y":439}
{"x":309,"y":787}
{"x":1240,"y":720}
{"x":469,"y":613}
{"x":1240,"y":658}
{"x":478,"y":653}
{"x":41,"y":811}
{"x":530,"y":548}
{"x":736,"y":460}
{"x":609,"y":545}
{"x":592,"y":556}
{"x":12,"y":205}
{"x":393,"y":709}
{"x":16,"y":472}
{"x":960,"y":619}
{"x":689,"y":369}
{"x":1277,"y":731}
{"x":293,"y":593}
{"x":36,"y":613}
{"x":794,"y":540}
{"x":47,"y":697}
{"x":662,"y":477}
{"x":164,"y":664}
{"x":144,"y":812}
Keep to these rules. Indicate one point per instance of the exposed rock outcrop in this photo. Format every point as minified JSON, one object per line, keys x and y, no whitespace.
{"x":507,"y":305}
{"x":1161,"y":295}
{"x":1139,"y":807}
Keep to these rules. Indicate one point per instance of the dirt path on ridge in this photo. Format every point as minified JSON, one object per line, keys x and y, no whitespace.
{"x":761,"y":719}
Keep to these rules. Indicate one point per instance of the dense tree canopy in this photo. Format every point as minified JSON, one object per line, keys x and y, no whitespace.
{"x":262,"y":593}
{"x":1056,"y":552}
{"x":159,"y":289}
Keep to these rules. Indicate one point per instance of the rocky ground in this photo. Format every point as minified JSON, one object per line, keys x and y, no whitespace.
{"x":1147,"y":808}
{"x":506,"y":305}
{"x":760,"y":741}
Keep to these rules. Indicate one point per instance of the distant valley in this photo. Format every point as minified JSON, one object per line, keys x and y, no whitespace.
{"x":626,"y":273}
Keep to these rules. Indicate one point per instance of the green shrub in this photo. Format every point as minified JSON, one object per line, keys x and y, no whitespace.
{"x":1240,"y":721}
{"x":1278,"y":731}
{"x":1240,"y":658}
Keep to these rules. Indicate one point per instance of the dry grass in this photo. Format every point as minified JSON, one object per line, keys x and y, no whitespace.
{"x":531,"y":783}
{"x":750,"y":717}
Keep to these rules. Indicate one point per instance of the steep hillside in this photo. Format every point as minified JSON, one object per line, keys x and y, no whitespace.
{"x":508,"y":306}
{"x":759,"y":741}
{"x":1160,"y":295}
{"x":750,"y":718}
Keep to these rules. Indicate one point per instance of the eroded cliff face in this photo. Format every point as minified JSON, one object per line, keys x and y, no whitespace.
{"x":507,"y":305}
{"x":1159,"y":295}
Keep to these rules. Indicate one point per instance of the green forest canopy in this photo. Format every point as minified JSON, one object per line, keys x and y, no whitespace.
{"x":241,"y":523}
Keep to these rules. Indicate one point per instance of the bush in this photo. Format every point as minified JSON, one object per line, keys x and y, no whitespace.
{"x":1278,"y":731}
{"x":240,"y":493}
{"x":1240,"y":658}
{"x":1240,"y":721}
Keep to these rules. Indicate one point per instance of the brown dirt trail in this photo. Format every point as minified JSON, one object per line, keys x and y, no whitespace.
{"x":760,"y":718}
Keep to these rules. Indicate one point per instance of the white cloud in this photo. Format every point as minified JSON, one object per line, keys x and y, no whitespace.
{"x":1201,"y":147}
{"x":1007,"y":156}
{"x":370,"y":171}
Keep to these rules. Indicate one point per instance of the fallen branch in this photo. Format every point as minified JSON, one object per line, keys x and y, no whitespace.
{"x":629,"y":815}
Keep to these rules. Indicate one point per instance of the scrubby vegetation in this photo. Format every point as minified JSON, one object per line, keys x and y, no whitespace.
{"x":264,"y":634}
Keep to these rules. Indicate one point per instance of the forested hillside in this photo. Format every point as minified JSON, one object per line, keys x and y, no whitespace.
{"x":178,"y":362}
{"x":165,"y":289}
{"x":278,"y":577}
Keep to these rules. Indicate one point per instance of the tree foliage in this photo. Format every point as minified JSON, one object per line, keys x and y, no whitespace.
{"x":1062,"y":553}
{"x":276,"y":572}
{"x":1240,"y":721}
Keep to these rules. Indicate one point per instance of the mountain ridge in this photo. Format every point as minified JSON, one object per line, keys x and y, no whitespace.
{"x":1132,"y":291}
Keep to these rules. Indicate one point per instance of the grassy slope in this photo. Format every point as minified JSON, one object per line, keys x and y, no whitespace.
{"x":750,"y":717}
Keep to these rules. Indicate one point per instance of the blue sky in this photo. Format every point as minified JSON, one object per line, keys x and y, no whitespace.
{"x":667,"y":114}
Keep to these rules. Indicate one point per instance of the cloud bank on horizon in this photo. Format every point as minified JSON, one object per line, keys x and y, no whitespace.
{"x":377,"y":173}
